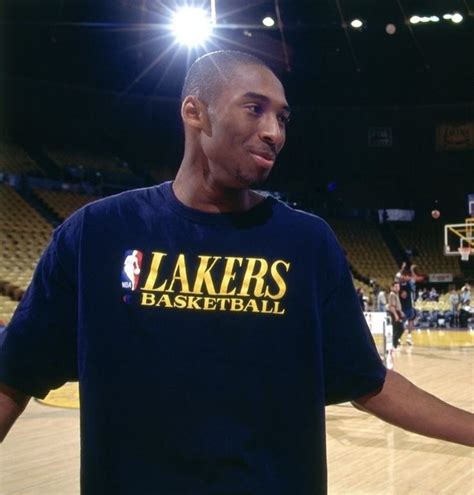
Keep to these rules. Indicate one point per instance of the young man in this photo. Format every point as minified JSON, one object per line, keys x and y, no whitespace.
{"x":210,"y":372}
{"x":395,"y":310}
{"x":407,"y":278}
{"x":454,"y":301}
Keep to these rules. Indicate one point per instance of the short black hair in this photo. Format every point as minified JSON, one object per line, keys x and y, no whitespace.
{"x":209,"y":73}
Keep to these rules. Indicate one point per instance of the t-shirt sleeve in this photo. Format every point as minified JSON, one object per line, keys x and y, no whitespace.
{"x":39,"y":350}
{"x":352,"y":365}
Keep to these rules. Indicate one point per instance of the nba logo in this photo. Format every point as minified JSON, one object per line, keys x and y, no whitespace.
{"x":132,"y":266}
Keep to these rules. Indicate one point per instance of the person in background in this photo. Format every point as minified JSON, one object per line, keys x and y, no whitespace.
{"x":409,"y":282}
{"x":425,"y":295}
{"x":454,"y":301}
{"x":408,"y":310}
{"x":433,"y":296}
{"x":465,"y":310}
{"x":381,"y":301}
{"x":395,"y":311}
{"x":362,"y":298}
{"x":465,"y":294}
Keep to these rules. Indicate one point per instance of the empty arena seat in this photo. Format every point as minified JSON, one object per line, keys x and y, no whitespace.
{"x":64,"y":203}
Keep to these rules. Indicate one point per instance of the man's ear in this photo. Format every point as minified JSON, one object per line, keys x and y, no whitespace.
{"x":194,"y":114}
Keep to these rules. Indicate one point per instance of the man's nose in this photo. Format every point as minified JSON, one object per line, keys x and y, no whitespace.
{"x":272,"y":131}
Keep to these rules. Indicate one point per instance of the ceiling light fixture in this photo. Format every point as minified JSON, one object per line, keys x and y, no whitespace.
{"x":268,"y":21}
{"x":192,"y":26}
{"x":357,"y":23}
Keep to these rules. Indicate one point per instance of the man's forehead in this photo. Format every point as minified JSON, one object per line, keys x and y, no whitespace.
{"x":255,"y":82}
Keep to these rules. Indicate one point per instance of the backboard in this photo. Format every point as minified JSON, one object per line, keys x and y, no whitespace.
{"x":459,"y":240}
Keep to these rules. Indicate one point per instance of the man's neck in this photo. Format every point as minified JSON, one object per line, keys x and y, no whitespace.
{"x":198,"y":194}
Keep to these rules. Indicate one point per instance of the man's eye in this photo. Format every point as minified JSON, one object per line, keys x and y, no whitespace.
{"x":284,"y":119}
{"x":256,"y":109}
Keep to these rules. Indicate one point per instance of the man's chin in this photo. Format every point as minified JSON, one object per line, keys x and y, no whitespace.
{"x":252,"y":181}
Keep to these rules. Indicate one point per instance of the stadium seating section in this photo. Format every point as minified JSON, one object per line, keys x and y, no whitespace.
{"x":63,"y":203}
{"x":366,"y":250}
{"x":93,"y":167}
{"x":15,"y":160}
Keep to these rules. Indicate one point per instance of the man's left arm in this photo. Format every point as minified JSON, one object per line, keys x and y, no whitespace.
{"x":403,"y":404}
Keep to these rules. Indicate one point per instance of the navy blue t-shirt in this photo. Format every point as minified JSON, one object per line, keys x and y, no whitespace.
{"x":206,"y":345}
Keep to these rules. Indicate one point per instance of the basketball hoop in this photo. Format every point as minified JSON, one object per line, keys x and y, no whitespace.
{"x":465,"y":251}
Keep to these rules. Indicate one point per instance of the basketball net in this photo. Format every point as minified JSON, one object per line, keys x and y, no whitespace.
{"x":465,"y":251}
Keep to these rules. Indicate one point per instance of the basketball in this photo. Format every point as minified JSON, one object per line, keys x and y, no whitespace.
{"x":435,"y":214}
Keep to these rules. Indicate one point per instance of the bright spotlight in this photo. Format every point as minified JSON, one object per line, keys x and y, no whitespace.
{"x":447,"y":17}
{"x":268,"y":21}
{"x":356,"y":23}
{"x":457,"y":18}
{"x":425,"y":19}
{"x":434,"y":18}
{"x":192,"y":26}
{"x":414,"y":19}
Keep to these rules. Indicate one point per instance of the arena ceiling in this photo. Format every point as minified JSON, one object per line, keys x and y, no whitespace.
{"x":123,"y":46}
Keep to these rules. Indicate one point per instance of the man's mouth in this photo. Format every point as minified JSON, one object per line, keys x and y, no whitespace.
{"x":263,"y":158}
